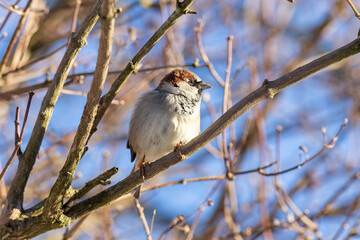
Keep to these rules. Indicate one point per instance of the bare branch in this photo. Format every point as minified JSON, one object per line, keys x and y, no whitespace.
{"x":152,"y":221}
{"x":54,"y":202}
{"x":203,"y":54}
{"x":71,"y":231}
{"x":75,"y":16}
{"x":356,"y":12}
{"x":73,"y":77}
{"x":199,"y":179}
{"x":267,"y":90}
{"x":226,"y":99}
{"x":14,"y":37}
{"x":18,"y":136}
{"x":326,"y":146}
{"x":13,"y":8}
{"x":27,"y":160}
{"x":17,"y":128}
{"x":32,"y":62}
{"x":348,"y":215}
{"x":143,"y":219}
{"x":8,"y":15}
{"x":102,"y":179}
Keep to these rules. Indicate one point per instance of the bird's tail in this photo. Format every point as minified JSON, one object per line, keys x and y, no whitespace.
{"x":136,"y":192}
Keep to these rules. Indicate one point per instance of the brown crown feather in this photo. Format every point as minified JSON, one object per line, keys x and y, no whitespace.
{"x":177,"y":76}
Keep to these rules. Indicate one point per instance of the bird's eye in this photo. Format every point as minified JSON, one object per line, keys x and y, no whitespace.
{"x":192,"y":82}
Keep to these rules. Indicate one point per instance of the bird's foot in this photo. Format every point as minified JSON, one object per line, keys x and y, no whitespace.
{"x":177,"y":146}
{"x":142,"y":168}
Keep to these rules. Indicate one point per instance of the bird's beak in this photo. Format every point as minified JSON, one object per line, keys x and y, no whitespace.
{"x":203,"y":85}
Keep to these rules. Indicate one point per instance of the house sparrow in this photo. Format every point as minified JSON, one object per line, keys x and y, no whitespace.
{"x":164,"y":118}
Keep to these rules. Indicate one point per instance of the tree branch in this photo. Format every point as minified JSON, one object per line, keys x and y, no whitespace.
{"x":27,"y":160}
{"x":268,"y":90}
{"x":18,"y":135}
{"x":54,"y":203}
{"x":15,"y":36}
{"x":101,"y":179}
{"x":74,"y":77}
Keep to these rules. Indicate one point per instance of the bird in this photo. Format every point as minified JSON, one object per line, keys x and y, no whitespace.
{"x":165,"y":118}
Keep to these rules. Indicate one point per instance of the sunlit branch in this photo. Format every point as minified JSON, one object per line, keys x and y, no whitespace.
{"x":266,"y":91}
{"x":356,"y":12}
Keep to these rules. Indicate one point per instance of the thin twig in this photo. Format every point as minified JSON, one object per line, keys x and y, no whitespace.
{"x":200,"y":179}
{"x":70,"y":233}
{"x":323,"y":211}
{"x":348,"y":215}
{"x":75,"y":16}
{"x":17,"y":128}
{"x":356,"y":12}
{"x":301,"y":216}
{"x":66,"y":138}
{"x":180,"y":219}
{"x":106,"y":213}
{"x":2,"y":191}
{"x":244,"y":139}
{"x":203,"y":54}
{"x":29,"y":29}
{"x":213,"y":115}
{"x":18,"y":144}
{"x":13,"y":8}
{"x":32,"y":62}
{"x":225,"y":151}
{"x":18,"y":91}
{"x":332,"y":141}
{"x":177,"y":221}
{"x":14,"y":37}
{"x":102,"y":179}
{"x":31,"y":94}
{"x":261,"y":136}
{"x":140,"y":70}
{"x":8,"y":15}
{"x":354,"y":229}
{"x":143,"y":219}
{"x":152,"y":221}
{"x":228,"y":73}
{"x":194,"y":224}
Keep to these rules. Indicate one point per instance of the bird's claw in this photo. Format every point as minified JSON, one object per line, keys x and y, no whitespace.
{"x":177,"y":146}
{"x":142,"y":169}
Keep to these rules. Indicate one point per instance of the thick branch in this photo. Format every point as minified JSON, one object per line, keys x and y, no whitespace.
{"x":267,"y":90}
{"x":27,"y":160}
{"x":53,"y":205}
